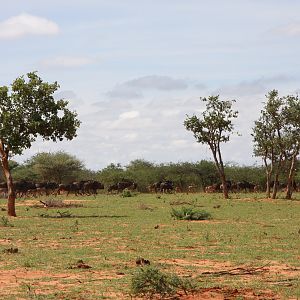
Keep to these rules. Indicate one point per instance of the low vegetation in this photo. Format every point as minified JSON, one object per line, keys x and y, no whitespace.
{"x":190,"y":213}
{"x":150,"y":281}
{"x":249,"y":248}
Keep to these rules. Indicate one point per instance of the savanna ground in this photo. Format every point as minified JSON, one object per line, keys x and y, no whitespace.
{"x":250,"y":249}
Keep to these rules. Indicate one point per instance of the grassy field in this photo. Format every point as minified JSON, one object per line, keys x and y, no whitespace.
{"x":250,"y":249}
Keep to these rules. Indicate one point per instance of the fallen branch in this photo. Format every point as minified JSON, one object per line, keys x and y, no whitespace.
{"x":237,"y":271}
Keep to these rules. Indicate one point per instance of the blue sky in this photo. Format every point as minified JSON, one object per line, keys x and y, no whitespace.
{"x":133,"y":69}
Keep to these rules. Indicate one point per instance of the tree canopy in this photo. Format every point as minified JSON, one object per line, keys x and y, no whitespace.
{"x":28,"y":110}
{"x":212,"y":128}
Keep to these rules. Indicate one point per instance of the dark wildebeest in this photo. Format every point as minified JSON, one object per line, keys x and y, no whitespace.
{"x":167,"y":186}
{"x":113,"y":188}
{"x":245,"y":186}
{"x":46,"y":187}
{"x":228,"y":185}
{"x":22,"y":187}
{"x":130,"y":185}
{"x":91,"y":187}
{"x":75,"y":187}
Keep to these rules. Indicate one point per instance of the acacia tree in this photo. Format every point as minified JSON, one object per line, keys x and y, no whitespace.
{"x":28,"y":110}
{"x":60,"y":166}
{"x":213,"y":128}
{"x":276,"y":139}
{"x":291,"y":113}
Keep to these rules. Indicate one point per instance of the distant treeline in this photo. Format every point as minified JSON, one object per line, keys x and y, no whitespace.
{"x":62,"y":167}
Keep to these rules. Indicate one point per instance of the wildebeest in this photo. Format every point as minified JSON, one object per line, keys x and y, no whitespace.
{"x":113,"y":188}
{"x":23,"y":186}
{"x":75,"y":187}
{"x":191,"y":188}
{"x":130,"y":185}
{"x":245,"y":186}
{"x":91,"y":187}
{"x":167,"y":186}
{"x":210,"y":189}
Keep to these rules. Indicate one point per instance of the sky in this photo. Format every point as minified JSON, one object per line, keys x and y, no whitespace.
{"x":133,"y":69}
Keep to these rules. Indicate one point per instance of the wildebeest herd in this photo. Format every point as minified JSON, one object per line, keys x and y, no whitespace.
{"x":90,"y":187}
{"x":84,"y":187}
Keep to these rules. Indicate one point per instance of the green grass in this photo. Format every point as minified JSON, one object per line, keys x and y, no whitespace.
{"x":109,"y":232}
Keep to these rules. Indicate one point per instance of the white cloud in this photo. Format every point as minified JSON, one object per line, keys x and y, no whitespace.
{"x":25,"y":24}
{"x":292,"y":29}
{"x":66,"y":62}
{"x":132,"y":89}
{"x":163,"y":83}
{"x":130,"y":137}
{"x":129,"y":115}
{"x":122,"y":91}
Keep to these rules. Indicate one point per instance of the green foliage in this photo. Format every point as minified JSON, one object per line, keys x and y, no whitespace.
{"x":29,"y":110}
{"x":215,"y":124}
{"x":150,"y":281}
{"x":5,"y":222}
{"x":212,"y":128}
{"x":126,"y":193}
{"x":59,"y":166}
{"x":190,"y":213}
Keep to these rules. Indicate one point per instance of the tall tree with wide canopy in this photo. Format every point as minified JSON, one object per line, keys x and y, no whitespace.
{"x":28,"y":110}
{"x":213,"y":128}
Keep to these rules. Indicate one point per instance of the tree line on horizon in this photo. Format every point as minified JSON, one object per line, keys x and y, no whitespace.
{"x":62,"y":167}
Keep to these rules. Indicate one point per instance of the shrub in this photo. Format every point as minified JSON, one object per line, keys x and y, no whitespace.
{"x":5,"y":222}
{"x":150,"y":281}
{"x":126,"y":193}
{"x":190,"y":213}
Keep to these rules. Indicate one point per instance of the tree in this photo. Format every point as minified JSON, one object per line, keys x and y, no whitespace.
{"x":28,"y":110}
{"x":60,"y":166}
{"x":276,"y":137}
{"x":291,"y":114}
{"x":213,"y":128}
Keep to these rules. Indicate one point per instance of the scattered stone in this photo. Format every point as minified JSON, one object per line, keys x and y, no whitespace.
{"x":142,"y":262}
{"x":80,"y":265}
{"x":11,"y":250}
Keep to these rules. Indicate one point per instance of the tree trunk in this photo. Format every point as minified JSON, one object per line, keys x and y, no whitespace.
{"x":269,"y":175}
{"x":224,"y":184}
{"x":11,"y":210}
{"x":289,"y":187}
{"x":268,"y":189}
{"x":275,"y":186}
{"x":220,"y":169}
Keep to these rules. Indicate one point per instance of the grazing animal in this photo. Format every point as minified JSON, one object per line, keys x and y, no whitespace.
{"x":191,"y":188}
{"x":167,"y":186}
{"x":113,"y":188}
{"x":178,"y":189}
{"x":210,"y":189}
{"x":90,"y":187}
{"x":130,"y":185}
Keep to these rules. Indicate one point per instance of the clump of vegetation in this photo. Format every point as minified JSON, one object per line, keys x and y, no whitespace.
{"x":60,"y":214}
{"x":126,"y":193}
{"x":150,"y":281}
{"x":75,"y":226}
{"x":51,"y":202}
{"x":5,"y":222}
{"x":190,"y":213}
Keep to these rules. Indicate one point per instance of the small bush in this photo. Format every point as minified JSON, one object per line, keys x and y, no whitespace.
{"x":126,"y":193}
{"x":190,"y":213}
{"x":150,"y":281}
{"x":5,"y":222}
